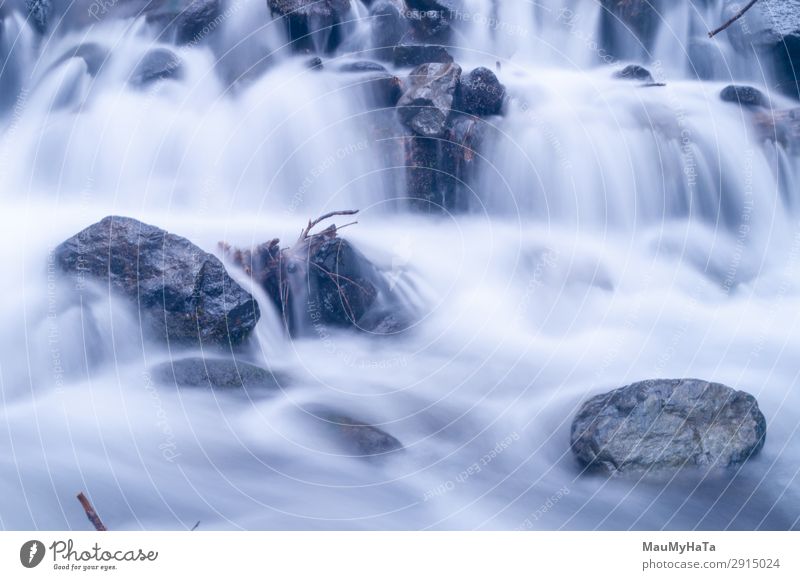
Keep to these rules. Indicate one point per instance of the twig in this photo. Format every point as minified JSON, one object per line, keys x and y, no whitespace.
{"x":312,"y":223}
{"x":736,"y":17}
{"x":197,"y":525}
{"x":90,"y":513}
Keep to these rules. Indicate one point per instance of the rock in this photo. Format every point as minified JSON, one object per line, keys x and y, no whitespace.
{"x":314,"y":63}
{"x":435,"y":5}
{"x":418,"y":54}
{"x":183,"y":293}
{"x":460,"y":160}
{"x":357,"y":437}
{"x":634,"y":72}
{"x":425,"y":106}
{"x":92,"y":54}
{"x":629,"y":27}
{"x":158,"y":64}
{"x":480,"y":93}
{"x":659,"y":425}
{"x":423,"y":176}
{"x":361,"y":66}
{"x":196,"y":21}
{"x":323,"y":281}
{"x":214,"y":373}
{"x":39,"y":13}
{"x":782,"y":127}
{"x":772,"y":29}
{"x":312,"y":24}
{"x":744,"y":96}
{"x":380,"y":88}
{"x":439,"y":171}
{"x":389,"y":25}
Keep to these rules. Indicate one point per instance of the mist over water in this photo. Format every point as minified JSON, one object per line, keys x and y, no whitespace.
{"x":615,"y":233}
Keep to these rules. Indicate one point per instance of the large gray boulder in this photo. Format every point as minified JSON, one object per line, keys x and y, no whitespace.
{"x":183,"y":293}
{"x":772,"y":29}
{"x":659,"y":425}
{"x":426,"y":104}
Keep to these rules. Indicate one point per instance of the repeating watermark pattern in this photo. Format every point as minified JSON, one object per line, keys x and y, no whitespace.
{"x":546,"y":507}
{"x":473,"y":469}
{"x":168,"y":447}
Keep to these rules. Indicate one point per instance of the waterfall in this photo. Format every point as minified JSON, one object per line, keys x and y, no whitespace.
{"x":615,"y":230}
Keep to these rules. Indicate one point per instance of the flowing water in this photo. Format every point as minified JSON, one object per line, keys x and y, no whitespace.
{"x":615,"y":233}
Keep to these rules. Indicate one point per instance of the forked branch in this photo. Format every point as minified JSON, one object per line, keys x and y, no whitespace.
{"x":313,"y":223}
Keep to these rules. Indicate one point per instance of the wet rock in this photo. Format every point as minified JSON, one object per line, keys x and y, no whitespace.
{"x":92,"y":54}
{"x":380,"y":88}
{"x":39,"y":13}
{"x":324,"y":282}
{"x":312,"y":24}
{"x":460,"y":160}
{"x":197,"y":21}
{"x":480,"y":93}
{"x":418,"y":54}
{"x":629,"y":27}
{"x":362,"y":66}
{"x":666,"y":425}
{"x":389,"y":25}
{"x":771,"y":29}
{"x":158,"y":64}
{"x":214,"y":373}
{"x":744,"y":96}
{"x":426,"y":104}
{"x":634,"y":72}
{"x":314,"y":63}
{"x":782,"y":127}
{"x":439,"y":171}
{"x":358,"y":437}
{"x":183,"y":293}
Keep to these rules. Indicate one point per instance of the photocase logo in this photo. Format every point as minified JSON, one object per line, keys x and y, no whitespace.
{"x":31,"y":553}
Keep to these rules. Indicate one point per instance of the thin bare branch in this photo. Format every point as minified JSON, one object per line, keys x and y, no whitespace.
{"x":736,"y":17}
{"x":313,"y":223}
{"x":91,"y":514}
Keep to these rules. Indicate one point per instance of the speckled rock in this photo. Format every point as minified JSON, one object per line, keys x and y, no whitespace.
{"x":659,"y":425}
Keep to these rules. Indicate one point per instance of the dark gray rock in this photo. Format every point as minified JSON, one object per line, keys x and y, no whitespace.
{"x":362,"y":66}
{"x":312,"y":24}
{"x":183,"y":293}
{"x":380,"y":88}
{"x":782,"y":127}
{"x":314,"y":63}
{"x":659,"y":425}
{"x":435,"y":5}
{"x":634,"y":72}
{"x":418,"y":54}
{"x":158,"y":64}
{"x":389,"y":25}
{"x":357,"y":437}
{"x":771,"y":29}
{"x":480,"y":93}
{"x":426,"y":104}
{"x":324,"y":282}
{"x":628,"y":27}
{"x":214,"y":373}
{"x":39,"y":13}
{"x":197,"y":21}
{"x":744,"y":96}
{"x":92,"y":54}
